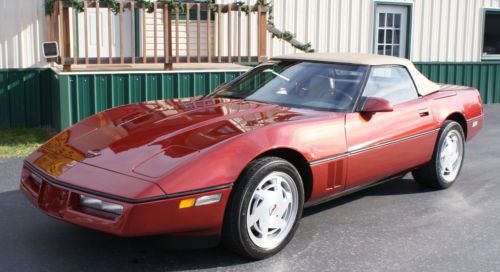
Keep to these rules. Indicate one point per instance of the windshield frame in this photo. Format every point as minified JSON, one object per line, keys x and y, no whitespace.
{"x":262,"y":67}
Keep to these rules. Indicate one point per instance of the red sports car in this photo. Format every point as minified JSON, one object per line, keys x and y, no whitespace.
{"x":242,"y":162}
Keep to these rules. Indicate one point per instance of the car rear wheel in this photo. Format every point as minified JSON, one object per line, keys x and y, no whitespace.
{"x":264,"y":208}
{"x":442,"y":171}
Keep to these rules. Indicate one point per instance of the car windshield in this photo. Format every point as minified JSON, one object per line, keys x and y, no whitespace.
{"x":320,"y":86}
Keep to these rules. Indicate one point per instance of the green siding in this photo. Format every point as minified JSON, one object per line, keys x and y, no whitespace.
{"x":42,"y":98}
{"x":81,"y":95}
{"x":25,"y":98}
{"x":485,"y":76}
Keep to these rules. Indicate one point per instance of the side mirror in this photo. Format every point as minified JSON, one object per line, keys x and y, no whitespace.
{"x":376,"y":104}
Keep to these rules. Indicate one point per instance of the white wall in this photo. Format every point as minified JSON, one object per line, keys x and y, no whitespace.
{"x":449,"y":30}
{"x":21,"y":33}
{"x":442,"y":30}
{"x":329,"y":25}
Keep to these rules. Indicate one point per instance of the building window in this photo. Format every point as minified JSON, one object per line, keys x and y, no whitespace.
{"x":391,"y":30}
{"x":491,"y":39}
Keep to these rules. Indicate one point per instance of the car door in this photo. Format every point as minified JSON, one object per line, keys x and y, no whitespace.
{"x":383,"y":144}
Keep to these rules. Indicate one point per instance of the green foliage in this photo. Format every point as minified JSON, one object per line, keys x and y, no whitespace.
{"x":114,"y":5}
{"x":49,"y":6}
{"x":306,"y":47}
{"x":244,"y":7}
{"x":212,"y":6}
{"x":172,"y":5}
{"x":263,"y":3}
{"x":147,"y":4}
{"x":285,"y":35}
{"x":269,"y":6}
{"x":77,"y":5}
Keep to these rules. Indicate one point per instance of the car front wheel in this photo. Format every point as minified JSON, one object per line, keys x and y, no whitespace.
{"x":442,"y":171}
{"x":264,"y":209}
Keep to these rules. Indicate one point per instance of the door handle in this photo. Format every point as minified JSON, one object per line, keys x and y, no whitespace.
{"x":423,"y":112}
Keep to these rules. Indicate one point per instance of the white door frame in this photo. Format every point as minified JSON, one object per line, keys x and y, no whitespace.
{"x":392,"y":13}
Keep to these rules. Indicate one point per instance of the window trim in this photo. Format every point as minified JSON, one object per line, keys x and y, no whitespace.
{"x":409,"y":23}
{"x":494,"y":57}
{"x":360,"y":101}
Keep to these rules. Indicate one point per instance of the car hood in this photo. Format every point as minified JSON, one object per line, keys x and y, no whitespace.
{"x":146,"y":139}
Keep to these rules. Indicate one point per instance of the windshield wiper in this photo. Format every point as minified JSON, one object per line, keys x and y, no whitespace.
{"x":276,"y":74}
{"x":228,"y":96}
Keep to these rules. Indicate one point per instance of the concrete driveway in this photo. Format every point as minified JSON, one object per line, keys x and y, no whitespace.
{"x":397,"y":226}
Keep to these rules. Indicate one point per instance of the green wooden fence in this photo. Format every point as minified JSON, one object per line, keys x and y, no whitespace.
{"x":485,"y":76}
{"x":26,"y":98}
{"x":42,"y":98}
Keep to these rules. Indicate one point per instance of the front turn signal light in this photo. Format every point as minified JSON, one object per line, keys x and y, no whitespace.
{"x":187,"y":203}
{"x":200,"y":201}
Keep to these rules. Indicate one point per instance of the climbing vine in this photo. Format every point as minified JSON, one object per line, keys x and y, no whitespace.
{"x":282,"y":35}
{"x":77,"y":5}
{"x":114,"y":5}
{"x":244,"y":7}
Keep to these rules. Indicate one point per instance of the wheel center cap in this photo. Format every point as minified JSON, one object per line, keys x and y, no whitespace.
{"x":272,"y":209}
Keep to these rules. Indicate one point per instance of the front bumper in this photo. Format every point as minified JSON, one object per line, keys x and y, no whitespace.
{"x":162,"y":216}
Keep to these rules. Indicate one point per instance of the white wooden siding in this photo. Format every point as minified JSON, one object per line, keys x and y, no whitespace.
{"x":442,"y":30}
{"x":21,"y":33}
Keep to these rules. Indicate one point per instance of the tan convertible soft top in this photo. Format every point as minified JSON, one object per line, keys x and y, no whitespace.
{"x":423,"y":84}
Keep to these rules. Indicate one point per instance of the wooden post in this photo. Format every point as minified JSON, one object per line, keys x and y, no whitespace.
{"x":143,"y":33}
{"x":167,"y":28}
{"x":86,"y":25}
{"x":198,"y":15}
{"x":122,"y":54}
{"x":262,"y":54}
{"x":239,"y":33}
{"x":229,"y":33}
{"x":98,"y":32}
{"x":132,"y":14}
{"x":249,"y":35}
{"x":75,"y":43}
{"x":219,"y":33}
{"x":176,"y":34}
{"x":188,"y":6}
{"x":60,"y":31}
{"x":167,"y":41}
{"x":66,"y":37}
{"x":110,"y":38}
{"x":209,"y":35}
{"x":155,"y":27}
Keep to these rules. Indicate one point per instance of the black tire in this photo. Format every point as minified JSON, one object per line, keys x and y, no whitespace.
{"x":235,"y":235}
{"x":429,"y":175}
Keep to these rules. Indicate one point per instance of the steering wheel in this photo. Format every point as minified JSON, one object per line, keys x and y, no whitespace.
{"x":343,"y":94}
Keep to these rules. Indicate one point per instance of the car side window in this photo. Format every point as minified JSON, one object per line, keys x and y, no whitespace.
{"x":393,"y":83}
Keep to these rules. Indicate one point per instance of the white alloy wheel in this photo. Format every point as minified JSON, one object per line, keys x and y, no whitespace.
{"x":450,"y":158}
{"x":272,"y":210}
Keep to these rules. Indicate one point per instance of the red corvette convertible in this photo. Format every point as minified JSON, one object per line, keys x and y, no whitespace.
{"x":242,"y":162}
